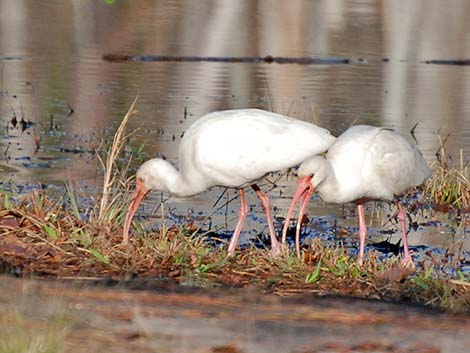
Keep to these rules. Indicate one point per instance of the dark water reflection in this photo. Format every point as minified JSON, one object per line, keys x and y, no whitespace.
{"x":51,"y":61}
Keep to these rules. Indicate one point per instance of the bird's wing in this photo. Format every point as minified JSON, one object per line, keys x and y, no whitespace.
{"x":245,"y":145}
{"x":394,"y":163}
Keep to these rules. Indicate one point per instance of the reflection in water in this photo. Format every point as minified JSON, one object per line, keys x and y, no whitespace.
{"x":58,"y":62}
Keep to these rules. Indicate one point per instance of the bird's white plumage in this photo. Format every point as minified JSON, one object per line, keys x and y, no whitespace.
{"x":235,"y":147}
{"x":367,"y":162}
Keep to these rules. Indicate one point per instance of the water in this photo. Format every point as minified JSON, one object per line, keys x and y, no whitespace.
{"x":52,"y":74}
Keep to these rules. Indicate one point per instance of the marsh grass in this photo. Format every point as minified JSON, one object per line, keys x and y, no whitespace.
{"x":449,"y":185}
{"x":56,"y":238}
{"x":114,"y":179}
{"x":52,"y":241}
{"x":19,"y":335}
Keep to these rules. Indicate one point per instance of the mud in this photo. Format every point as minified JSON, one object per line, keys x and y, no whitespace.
{"x":169,"y":318}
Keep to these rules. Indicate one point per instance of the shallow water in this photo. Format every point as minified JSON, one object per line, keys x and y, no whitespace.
{"x":52,"y":74}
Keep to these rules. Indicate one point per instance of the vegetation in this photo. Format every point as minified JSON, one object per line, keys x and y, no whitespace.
{"x":45,"y":238}
{"x":19,"y":336}
{"x":57,"y":238}
{"x":449,"y":185}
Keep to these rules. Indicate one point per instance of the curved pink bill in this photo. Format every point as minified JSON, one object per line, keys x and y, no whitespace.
{"x":139,"y":194}
{"x":304,"y":199}
{"x":304,"y":185}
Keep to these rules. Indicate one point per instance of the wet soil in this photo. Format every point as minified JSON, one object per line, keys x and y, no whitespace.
{"x":169,"y":318}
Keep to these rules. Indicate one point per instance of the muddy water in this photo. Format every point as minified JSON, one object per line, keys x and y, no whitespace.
{"x":52,"y":74}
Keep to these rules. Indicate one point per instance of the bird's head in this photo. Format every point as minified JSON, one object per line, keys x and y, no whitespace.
{"x":152,"y":175}
{"x":311,"y":174}
{"x":313,"y":168}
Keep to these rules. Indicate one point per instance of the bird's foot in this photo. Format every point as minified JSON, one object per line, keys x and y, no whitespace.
{"x":230,"y":251}
{"x":278,"y":249}
{"x":408,"y":263}
{"x":361,"y":260}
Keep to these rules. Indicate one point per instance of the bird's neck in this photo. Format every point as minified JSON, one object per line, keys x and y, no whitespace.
{"x":181,"y":186}
{"x":327,"y":184}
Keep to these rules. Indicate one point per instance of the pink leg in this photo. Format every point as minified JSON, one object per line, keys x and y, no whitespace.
{"x":362,"y":232}
{"x":275,"y":245}
{"x":241,"y":220}
{"x":408,"y":260}
{"x":304,"y":199}
{"x":288,"y":217}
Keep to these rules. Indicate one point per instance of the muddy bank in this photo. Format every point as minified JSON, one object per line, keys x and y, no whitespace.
{"x":171,"y":318}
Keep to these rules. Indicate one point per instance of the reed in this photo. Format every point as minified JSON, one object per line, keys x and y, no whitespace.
{"x":18,"y":335}
{"x":109,"y":204}
{"x":449,"y":185}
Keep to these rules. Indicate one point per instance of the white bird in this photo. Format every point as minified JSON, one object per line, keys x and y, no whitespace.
{"x":231,"y":148}
{"x":364,"y":163}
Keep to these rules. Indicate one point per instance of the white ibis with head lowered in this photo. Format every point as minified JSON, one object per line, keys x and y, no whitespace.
{"x":364,"y":163}
{"x":231,"y":148}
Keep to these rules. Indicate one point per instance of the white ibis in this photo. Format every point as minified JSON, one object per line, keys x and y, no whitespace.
{"x":231,"y":148}
{"x":364,"y":163}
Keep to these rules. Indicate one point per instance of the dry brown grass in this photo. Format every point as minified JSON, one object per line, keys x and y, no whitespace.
{"x":449,"y":185}
{"x":114,"y":178}
{"x":51,"y":241}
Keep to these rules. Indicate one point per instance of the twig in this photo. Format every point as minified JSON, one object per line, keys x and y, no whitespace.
{"x":30,"y":234}
{"x":271,"y":99}
{"x":118,"y":143}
